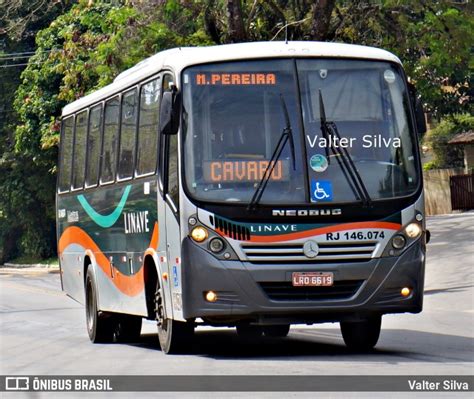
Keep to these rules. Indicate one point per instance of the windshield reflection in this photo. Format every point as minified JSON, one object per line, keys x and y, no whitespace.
{"x":232,"y":122}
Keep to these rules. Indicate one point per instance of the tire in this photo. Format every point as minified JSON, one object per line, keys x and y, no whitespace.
{"x":280,"y":330}
{"x":248,"y":331}
{"x":362,"y":335}
{"x":100,"y":326}
{"x":127,"y":328}
{"x":174,"y":336}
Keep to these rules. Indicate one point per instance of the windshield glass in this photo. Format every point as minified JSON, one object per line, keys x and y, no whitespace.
{"x":233,"y":119}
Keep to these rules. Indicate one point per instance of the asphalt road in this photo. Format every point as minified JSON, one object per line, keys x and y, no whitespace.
{"x":43,"y":332}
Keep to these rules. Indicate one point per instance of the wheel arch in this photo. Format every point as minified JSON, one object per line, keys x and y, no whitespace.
{"x":153,"y":272}
{"x":90,"y":262}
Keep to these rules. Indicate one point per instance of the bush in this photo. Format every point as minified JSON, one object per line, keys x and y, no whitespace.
{"x":430,"y":165}
{"x":448,"y":155}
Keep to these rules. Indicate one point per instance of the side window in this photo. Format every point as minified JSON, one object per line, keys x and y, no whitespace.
{"x":109,"y":148}
{"x":79,"y":150}
{"x":147,"y":151}
{"x":66,"y":154}
{"x":127,"y":134}
{"x":93,"y":146}
{"x":171,"y":156}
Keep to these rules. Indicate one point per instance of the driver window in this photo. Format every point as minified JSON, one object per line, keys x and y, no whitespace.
{"x":171,"y":156}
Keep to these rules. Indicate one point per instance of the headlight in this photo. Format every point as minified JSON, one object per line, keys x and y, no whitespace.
{"x":413,"y":230}
{"x":216,"y":245}
{"x":398,"y":241}
{"x":199,"y":234}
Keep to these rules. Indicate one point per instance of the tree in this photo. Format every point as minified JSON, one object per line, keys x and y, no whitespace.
{"x":80,"y":51}
{"x":449,"y":155}
{"x":236,"y":29}
{"x":322,"y":10}
{"x":87,"y":44}
{"x":433,"y":38}
{"x":25,"y":196}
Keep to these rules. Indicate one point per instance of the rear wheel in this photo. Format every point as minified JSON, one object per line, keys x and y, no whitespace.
{"x":280,"y":330}
{"x":249,"y":331}
{"x":174,"y":336}
{"x":362,"y":335}
{"x":100,"y":326}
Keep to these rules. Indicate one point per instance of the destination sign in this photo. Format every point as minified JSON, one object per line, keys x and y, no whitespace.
{"x":223,"y":79}
{"x":243,"y":171}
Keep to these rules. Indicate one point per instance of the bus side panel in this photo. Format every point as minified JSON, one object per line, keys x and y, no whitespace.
{"x":112,"y":228}
{"x":69,"y":252}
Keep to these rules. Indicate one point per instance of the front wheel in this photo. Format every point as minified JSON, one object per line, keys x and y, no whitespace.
{"x":174,"y":336}
{"x":362,"y":335}
{"x":100,"y":326}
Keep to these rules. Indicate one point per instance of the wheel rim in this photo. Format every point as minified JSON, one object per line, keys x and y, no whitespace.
{"x":160,"y":311}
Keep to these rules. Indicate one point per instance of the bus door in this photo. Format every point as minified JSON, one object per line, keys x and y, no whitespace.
{"x":170,"y":178}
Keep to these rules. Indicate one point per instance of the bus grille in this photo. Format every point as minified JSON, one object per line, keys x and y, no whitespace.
{"x":284,"y":291}
{"x":232,"y":230}
{"x":328,"y":252}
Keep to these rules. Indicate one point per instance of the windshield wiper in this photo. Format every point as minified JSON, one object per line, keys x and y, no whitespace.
{"x":286,"y":135}
{"x":329,"y":130}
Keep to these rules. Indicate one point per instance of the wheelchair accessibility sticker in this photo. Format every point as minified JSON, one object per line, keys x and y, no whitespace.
{"x":321,"y":190}
{"x":175,"y":276}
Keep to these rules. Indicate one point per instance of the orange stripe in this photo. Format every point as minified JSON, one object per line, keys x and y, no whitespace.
{"x":154,"y":237}
{"x":324,"y":230}
{"x":129,"y":285}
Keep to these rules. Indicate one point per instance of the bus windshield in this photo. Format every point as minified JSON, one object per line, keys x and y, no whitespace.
{"x":233,"y":119}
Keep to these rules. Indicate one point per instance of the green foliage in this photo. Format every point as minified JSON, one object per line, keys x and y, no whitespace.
{"x":25,"y":186}
{"x":449,"y":155}
{"x":81,"y":51}
{"x":430,"y":165}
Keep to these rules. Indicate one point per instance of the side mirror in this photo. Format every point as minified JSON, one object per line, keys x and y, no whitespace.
{"x":169,"y":113}
{"x":420,"y":117}
{"x":419,"y":112}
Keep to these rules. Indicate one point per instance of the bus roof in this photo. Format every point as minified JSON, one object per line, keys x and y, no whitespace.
{"x":179,"y":58}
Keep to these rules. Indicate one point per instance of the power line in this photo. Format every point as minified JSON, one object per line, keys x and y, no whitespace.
{"x":17,"y":57}
{"x":18,"y":65}
{"x":27,"y":52}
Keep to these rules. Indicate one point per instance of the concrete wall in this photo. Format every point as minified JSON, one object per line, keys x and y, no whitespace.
{"x":469,"y":157}
{"x":437,"y":191}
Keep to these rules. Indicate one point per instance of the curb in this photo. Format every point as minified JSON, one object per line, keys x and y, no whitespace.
{"x":11,"y":268}
{"x":29,"y":265}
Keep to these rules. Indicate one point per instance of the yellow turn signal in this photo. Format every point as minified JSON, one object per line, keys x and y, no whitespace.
{"x":199,"y":234}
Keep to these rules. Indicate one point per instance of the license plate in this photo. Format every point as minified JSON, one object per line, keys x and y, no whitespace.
{"x":312,"y":279}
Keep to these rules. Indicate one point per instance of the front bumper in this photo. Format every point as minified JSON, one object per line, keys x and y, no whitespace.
{"x":242,"y":296}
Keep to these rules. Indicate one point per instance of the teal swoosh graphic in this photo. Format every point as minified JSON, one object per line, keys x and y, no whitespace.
{"x":105,"y":220}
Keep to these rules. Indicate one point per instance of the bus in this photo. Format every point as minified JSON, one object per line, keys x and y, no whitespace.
{"x":252,"y":185}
